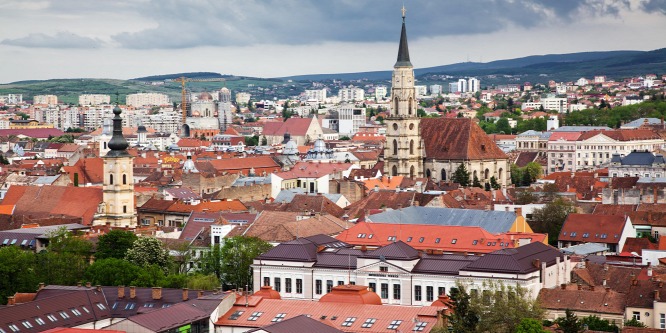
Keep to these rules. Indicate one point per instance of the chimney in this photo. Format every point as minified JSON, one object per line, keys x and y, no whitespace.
{"x":10,"y":300}
{"x":661,"y":284}
{"x":365,"y":248}
{"x":88,"y":284}
{"x":587,"y":262}
{"x":536,"y":263}
{"x":98,"y":287}
{"x":607,"y":289}
{"x":186,"y":294}
{"x":580,"y":286}
{"x":41,"y":286}
{"x":201,"y":294}
{"x":132,"y":292}
{"x":157,"y":293}
{"x":519,"y":211}
{"x":563,"y":286}
{"x":592,"y":288}
{"x":121,"y":292}
{"x":649,"y":271}
{"x":78,"y":284}
{"x":656,"y":295}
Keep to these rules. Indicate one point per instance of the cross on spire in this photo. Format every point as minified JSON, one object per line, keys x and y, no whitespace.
{"x":403,"y":10}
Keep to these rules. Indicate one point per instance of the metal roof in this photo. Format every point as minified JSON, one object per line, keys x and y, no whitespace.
{"x":640,"y":122}
{"x":581,"y":128}
{"x":585,"y":249}
{"x":491,"y":221}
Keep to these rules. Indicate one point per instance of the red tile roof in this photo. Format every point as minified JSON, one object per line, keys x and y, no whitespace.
{"x":295,"y":127}
{"x":457,"y":139}
{"x":598,"y":228}
{"x":227,"y":164}
{"x":40,"y":133}
{"x":313,"y":170}
{"x":622,"y":135}
{"x":48,"y":200}
{"x":352,"y":294}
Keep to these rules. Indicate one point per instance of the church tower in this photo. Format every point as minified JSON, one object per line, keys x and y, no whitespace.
{"x":403,"y":150}
{"x":118,"y":187}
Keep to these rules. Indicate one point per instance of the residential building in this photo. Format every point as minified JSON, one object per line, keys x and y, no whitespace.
{"x":147,"y":99}
{"x":596,"y":148}
{"x":94,"y":99}
{"x":421,"y":91}
{"x":380,"y":92}
{"x":314,"y":177}
{"x":436,"y":89}
{"x":474,"y":84}
{"x":462,"y":86}
{"x":351,"y":94}
{"x":318,"y":95}
{"x":400,"y":274}
{"x":562,"y":151}
{"x":242,"y":98}
{"x":301,"y":130}
{"x":45,"y":99}
{"x":612,"y":230}
{"x":637,"y":164}
{"x":558,"y":104}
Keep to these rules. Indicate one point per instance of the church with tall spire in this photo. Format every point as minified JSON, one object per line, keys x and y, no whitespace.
{"x":435,"y":148}
{"x":117,"y":207}
{"x":403,"y":152}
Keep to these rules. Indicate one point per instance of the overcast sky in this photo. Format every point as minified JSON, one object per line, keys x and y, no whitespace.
{"x":45,"y":39}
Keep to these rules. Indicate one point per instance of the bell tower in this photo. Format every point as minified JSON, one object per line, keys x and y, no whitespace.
{"x":118,"y":186}
{"x":403,"y":150}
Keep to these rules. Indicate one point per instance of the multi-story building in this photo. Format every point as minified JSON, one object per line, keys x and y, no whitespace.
{"x":596,"y":148}
{"x":317,"y":95}
{"x":462,"y":85}
{"x":380,"y":92}
{"x":562,"y":151}
{"x":453,"y":87}
{"x":558,"y":104}
{"x":11,"y":99}
{"x":435,"y":89}
{"x":45,"y":99}
{"x":242,"y":98}
{"x":350,"y":119}
{"x":637,"y":164}
{"x":147,"y":99}
{"x":421,"y":91}
{"x":351,"y":94}
{"x":94,"y":99}
{"x":533,"y":141}
{"x":474,"y":84}
{"x":400,"y":274}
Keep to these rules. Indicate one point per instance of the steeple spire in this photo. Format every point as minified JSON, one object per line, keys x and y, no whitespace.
{"x":403,"y":50}
{"x":118,"y":144}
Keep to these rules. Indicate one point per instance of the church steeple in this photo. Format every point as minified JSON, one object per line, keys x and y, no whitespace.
{"x":403,"y":50}
{"x":117,"y":144}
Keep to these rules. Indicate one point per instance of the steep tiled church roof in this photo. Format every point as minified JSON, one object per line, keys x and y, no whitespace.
{"x":457,"y":139}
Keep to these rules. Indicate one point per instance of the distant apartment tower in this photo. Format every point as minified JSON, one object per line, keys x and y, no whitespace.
{"x":242,"y":98}
{"x":453,"y":87}
{"x":317,"y":95}
{"x":435,"y":89}
{"x":462,"y":85}
{"x":473,"y":84}
{"x":555,"y":103}
{"x":380,"y":92}
{"x":147,"y":99}
{"x":11,"y":99}
{"x":45,"y":99}
{"x":421,"y":91}
{"x":94,"y":99}
{"x":351,"y":94}
{"x":350,"y":119}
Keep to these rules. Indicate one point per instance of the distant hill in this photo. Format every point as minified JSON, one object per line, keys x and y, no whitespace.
{"x":555,"y":66}
{"x":194,"y":75}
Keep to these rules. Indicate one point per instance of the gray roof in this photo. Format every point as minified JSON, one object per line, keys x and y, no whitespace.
{"x":639,"y":122}
{"x":397,"y":251}
{"x":287,"y":195}
{"x":545,"y":135}
{"x":491,"y":221}
{"x":641,"y":158}
{"x":48,"y":180}
{"x":650,"y":180}
{"x":530,"y":133}
{"x":518,"y":260}
{"x":585,"y":249}
{"x":581,"y":128}
{"x":245,"y":181}
{"x":301,"y":323}
{"x":302,"y":249}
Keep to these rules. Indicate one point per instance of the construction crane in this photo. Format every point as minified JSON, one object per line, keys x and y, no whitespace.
{"x":182,"y":80}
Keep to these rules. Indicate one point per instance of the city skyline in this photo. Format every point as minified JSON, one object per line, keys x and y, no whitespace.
{"x":126,"y":39}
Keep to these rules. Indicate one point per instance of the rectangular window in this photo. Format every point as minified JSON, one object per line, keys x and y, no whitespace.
{"x":27,"y":324}
{"x":278,"y":283}
{"x":217,"y":239}
{"x":341,"y":283}
{"x":255,"y":316}
{"x":329,"y":286}
{"x":287,"y":285}
{"x":430,"y":293}
{"x":420,"y":326}
{"x":383,"y":269}
{"x":441,"y":291}
{"x":372,"y":286}
{"x":40,"y":321}
{"x":235,"y":315}
{"x":396,"y":291}
{"x":64,"y":315}
{"x":384,"y":290}
{"x":417,"y":293}
{"x":318,"y":286}
{"x":637,"y":315}
{"x":267,"y":281}
{"x":279,"y":317}
{"x":349,"y":321}
{"x":369,"y":322}
{"x":394,"y":325}
{"x":299,"y":286}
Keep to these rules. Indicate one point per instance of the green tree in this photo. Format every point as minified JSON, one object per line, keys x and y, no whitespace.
{"x":487,"y":187}
{"x":550,"y":218}
{"x":237,"y":255}
{"x":264,"y":141}
{"x":533,"y":170}
{"x":504,"y":307}
{"x":476,"y":182}
{"x":147,"y":251}
{"x":114,"y":244}
{"x":65,"y":260}
{"x":345,"y":138}
{"x":516,"y":175}
{"x":17,"y":272}
{"x":112,"y":272}
{"x":380,"y":119}
{"x":502,"y":126}
{"x":595,"y":323}
{"x":464,"y":317}
{"x":569,"y":323}
{"x":494,"y":184}
{"x":200,"y":281}
{"x":529,"y":325}
{"x":525,"y":198}
{"x":634,"y":323}
{"x":212,"y":262}
{"x":461,"y":176}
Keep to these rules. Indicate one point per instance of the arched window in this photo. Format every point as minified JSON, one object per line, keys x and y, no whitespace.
{"x":394,"y":171}
{"x":411,"y":172}
{"x":124,"y":179}
{"x":443,"y":175}
{"x":410,"y":106}
{"x":395,"y":126}
{"x":499,"y":174}
{"x":475,"y":176}
{"x":411,"y":147}
{"x":395,"y":106}
{"x":428,"y":174}
{"x":111,"y":179}
{"x":487,"y":175}
{"x":395,"y":147}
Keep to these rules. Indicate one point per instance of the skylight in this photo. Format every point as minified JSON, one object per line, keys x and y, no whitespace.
{"x":421,"y":240}
{"x":394,"y":325}
{"x":51,"y":317}
{"x":420,"y":326}
{"x":360,"y":236}
{"x":452,"y":242}
{"x":391,"y":238}
{"x":349,"y":321}
{"x":64,"y":315}
{"x":255,"y":316}
{"x":279,"y":317}
{"x":585,"y":235}
{"x":235,"y":315}
{"x":13,"y":242}
{"x":369,"y":322}
{"x":101,"y":306}
{"x":370,"y":236}
{"x":40,"y":321}
{"x":13,"y":327}
{"x":573,"y":234}
{"x":603,"y":236}
{"x":76,"y":312}
{"x":6,"y":241}
{"x":130,"y":306}
{"x":474,"y":242}
{"x":25,"y":241}
{"x":27,"y":324}
{"x":409,"y":239}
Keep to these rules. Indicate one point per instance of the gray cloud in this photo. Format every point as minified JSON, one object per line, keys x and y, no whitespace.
{"x":64,"y":40}
{"x":296,"y":22}
{"x":654,"y":6}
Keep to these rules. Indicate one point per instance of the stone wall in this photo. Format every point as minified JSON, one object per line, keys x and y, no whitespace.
{"x":246,"y":193}
{"x":201,"y":184}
